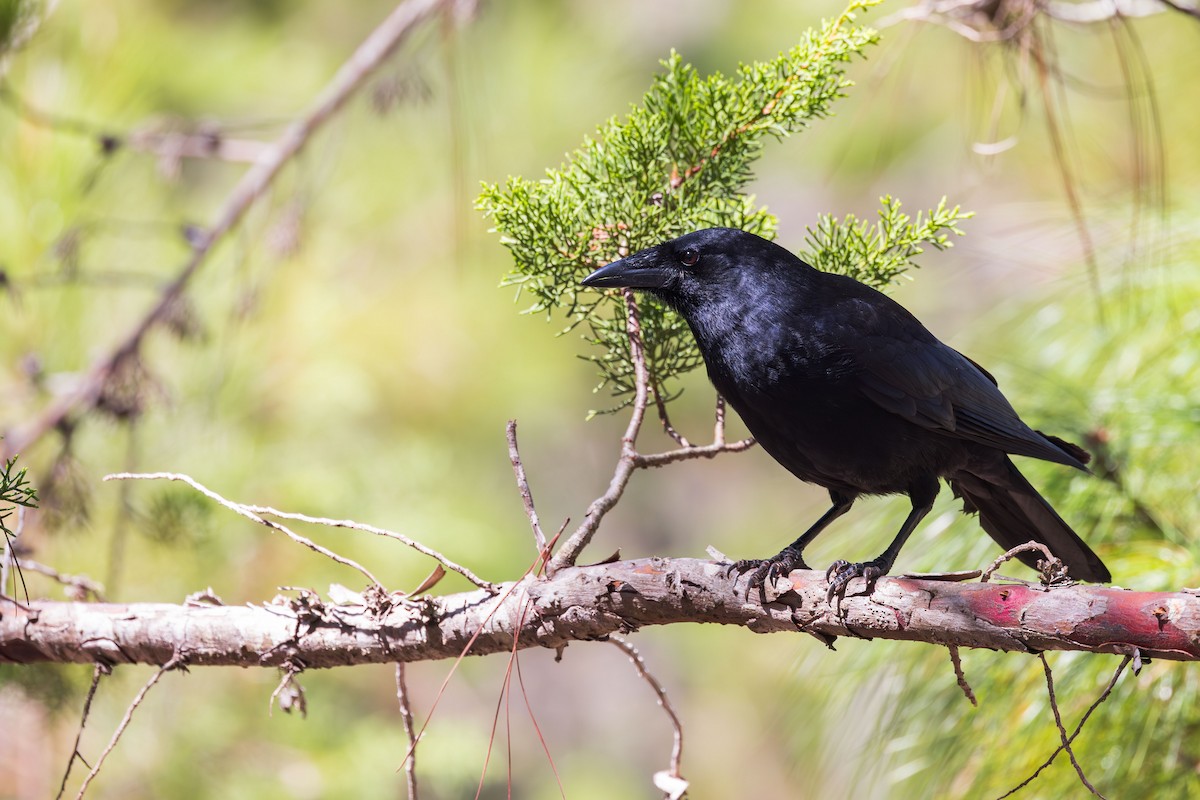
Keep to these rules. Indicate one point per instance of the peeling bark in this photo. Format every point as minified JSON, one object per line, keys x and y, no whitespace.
{"x":589,"y":603}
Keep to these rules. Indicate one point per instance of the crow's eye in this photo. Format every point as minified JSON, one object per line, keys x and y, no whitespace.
{"x":689,"y":257}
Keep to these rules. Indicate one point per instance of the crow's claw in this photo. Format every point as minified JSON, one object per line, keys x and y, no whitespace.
{"x":840,"y":573}
{"x":765,"y":571}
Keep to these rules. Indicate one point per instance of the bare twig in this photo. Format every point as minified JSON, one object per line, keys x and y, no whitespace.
{"x":639,"y":664}
{"x":365,"y":528}
{"x":514,"y":456}
{"x":719,"y":421}
{"x":1062,"y":732}
{"x":380,"y":44}
{"x":205,"y":141}
{"x":1011,"y":554}
{"x":98,"y":672}
{"x":665,"y":419}
{"x":257,"y":513}
{"x":627,"y":462}
{"x":630,"y":459}
{"x":694,"y":451}
{"x":137,"y":701}
{"x":78,"y":586}
{"x":406,"y":714}
{"x":1103,"y":696}
{"x":246,"y":512}
{"x":960,"y":676}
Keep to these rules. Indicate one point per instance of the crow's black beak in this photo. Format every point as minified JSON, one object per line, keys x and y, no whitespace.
{"x":641,"y":270}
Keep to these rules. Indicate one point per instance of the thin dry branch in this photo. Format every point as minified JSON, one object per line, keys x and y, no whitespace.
{"x":246,"y":512}
{"x":377,"y":47}
{"x":1009,"y":555}
{"x":98,"y":672}
{"x":960,"y":676}
{"x":78,"y":586}
{"x":406,"y":714}
{"x":661,"y":404}
{"x":1078,"y":728}
{"x":626,"y":464}
{"x":1108,"y":10}
{"x":594,"y":602}
{"x":365,"y":528}
{"x":514,"y":456}
{"x":259,"y":513}
{"x":694,"y":451}
{"x":975,"y":20}
{"x":133,"y":706}
{"x":630,"y":459}
{"x":678,"y":783}
{"x":1062,"y":732}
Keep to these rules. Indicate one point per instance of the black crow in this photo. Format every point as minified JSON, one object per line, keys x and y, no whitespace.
{"x":848,"y":390}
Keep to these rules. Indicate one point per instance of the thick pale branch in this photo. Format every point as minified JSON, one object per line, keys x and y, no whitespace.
{"x":588,"y":603}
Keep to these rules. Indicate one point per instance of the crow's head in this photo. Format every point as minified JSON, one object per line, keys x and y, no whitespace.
{"x":700,"y":267}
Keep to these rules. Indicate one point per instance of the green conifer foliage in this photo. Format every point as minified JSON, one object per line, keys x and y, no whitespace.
{"x":680,"y":161}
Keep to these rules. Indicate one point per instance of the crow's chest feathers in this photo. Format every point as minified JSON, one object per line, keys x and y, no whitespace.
{"x":772,"y":359}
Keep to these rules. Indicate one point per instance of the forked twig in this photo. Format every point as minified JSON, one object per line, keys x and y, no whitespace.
{"x":630,"y":459}
{"x":1062,"y":732}
{"x":665,"y":419}
{"x":246,"y":512}
{"x":259,"y":513}
{"x":116,"y":737}
{"x":626,"y":464}
{"x":98,"y":672}
{"x":170,"y":144}
{"x":365,"y":528}
{"x":1078,"y":728}
{"x":78,"y":586}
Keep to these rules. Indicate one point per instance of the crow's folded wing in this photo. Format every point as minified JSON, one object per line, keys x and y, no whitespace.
{"x":938,"y":388}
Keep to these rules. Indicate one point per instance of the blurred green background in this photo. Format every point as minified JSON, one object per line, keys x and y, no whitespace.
{"x":347,"y":354}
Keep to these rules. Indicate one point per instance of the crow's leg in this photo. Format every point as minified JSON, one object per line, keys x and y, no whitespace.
{"x":765,"y":570}
{"x":922,"y":494}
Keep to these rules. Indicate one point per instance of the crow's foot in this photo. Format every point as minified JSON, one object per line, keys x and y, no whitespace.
{"x":764,"y":571}
{"x":840,"y":573}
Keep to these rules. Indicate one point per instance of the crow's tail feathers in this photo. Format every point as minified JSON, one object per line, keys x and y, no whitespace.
{"x":1013,"y":513}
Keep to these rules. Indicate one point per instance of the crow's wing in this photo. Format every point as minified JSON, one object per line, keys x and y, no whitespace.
{"x":907,"y":371}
